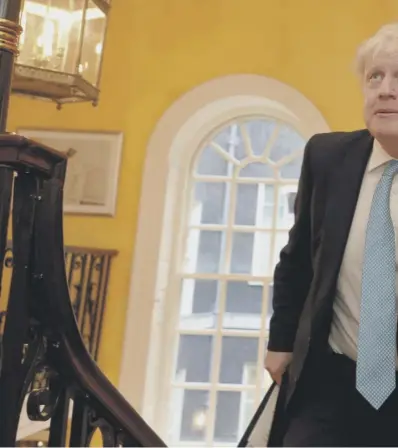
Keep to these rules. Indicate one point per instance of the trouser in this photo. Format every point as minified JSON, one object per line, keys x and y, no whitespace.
{"x":327,"y":410}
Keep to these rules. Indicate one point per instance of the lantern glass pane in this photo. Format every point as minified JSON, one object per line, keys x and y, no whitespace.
{"x":93,"y":41}
{"x":51,"y":37}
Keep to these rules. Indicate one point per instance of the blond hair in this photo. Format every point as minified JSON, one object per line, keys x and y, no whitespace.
{"x":385,"y":40}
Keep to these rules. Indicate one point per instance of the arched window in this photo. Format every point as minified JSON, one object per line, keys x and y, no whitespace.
{"x":233,"y":169}
{"x":239,"y":209}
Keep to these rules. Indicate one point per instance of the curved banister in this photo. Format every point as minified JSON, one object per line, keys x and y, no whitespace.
{"x":41,"y":330}
{"x":71,"y":355}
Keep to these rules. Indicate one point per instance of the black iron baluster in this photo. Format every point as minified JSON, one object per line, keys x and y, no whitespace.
{"x":80,"y":265}
{"x":69,"y":257}
{"x":104,"y":292}
{"x":17,"y":323}
{"x":80,"y":425}
{"x":96,"y":307}
{"x":86,"y":299}
{"x":59,"y":421}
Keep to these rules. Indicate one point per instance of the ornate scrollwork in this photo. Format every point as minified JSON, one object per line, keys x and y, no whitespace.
{"x":44,"y":392}
{"x":42,"y":404}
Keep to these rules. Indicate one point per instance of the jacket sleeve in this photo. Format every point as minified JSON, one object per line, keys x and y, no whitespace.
{"x":293,"y":274}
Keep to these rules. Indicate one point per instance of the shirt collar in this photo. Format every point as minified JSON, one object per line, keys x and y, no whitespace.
{"x":378,"y":157}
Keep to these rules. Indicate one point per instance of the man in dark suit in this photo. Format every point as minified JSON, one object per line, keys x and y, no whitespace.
{"x":333,"y":334}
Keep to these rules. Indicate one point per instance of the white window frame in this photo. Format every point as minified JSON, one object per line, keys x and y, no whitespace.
{"x":148,"y":351}
{"x":280,"y":193}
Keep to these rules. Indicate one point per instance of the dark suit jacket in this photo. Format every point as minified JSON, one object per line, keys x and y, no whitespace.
{"x":306,"y":276}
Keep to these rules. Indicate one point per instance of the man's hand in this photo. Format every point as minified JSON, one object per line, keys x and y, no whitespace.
{"x":276,"y":363}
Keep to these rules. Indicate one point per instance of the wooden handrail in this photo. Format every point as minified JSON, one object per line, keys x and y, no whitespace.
{"x":41,"y":320}
{"x":20,"y":152}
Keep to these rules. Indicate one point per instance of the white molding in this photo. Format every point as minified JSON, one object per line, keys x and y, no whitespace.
{"x":170,"y":150}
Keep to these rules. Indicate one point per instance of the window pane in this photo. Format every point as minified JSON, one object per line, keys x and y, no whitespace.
{"x":230,"y":139}
{"x":188,"y":415}
{"x":211,"y":203}
{"x":247,"y":409}
{"x":243,"y":306}
{"x":204,"y":251}
{"x":286,"y":199}
{"x":250,"y":253}
{"x":292,"y":169}
{"x":254,"y":205}
{"x":242,"y":253}
{"x":287,"y":142}
{"x":236,"y":354}
{"x":259,"y":131}
{"x":211,"y":163}
{"x":198,"y":308}
{"x":265,"y":217}
{"x":194,"y":359}
{"x":234,"y":409}
{"x":246,"y":204}
{"x":257,"y":169}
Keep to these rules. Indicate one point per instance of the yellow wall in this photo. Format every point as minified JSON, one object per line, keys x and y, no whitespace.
{"x":159,"y":49}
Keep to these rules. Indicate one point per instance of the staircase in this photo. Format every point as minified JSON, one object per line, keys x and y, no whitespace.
{"x":42,"y":329}
{"x":87,"y":273}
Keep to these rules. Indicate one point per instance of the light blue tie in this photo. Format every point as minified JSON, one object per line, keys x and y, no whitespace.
{"x":376,"y":362}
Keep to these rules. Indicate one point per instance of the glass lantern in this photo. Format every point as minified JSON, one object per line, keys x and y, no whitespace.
{"x":60,"y":49}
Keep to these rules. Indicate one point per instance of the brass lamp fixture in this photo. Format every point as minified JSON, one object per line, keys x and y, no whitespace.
{"x":60,"y":50}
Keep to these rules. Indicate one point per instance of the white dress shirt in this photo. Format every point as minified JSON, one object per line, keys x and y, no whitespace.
{"x":346,"y":308}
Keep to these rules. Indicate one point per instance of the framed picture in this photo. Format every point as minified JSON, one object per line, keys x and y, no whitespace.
{"x":93,"y":167}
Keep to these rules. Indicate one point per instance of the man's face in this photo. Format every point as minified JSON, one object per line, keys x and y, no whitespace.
{"x":380,"y":86}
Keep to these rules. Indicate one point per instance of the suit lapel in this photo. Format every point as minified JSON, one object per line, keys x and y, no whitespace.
{"x":344,"y":187}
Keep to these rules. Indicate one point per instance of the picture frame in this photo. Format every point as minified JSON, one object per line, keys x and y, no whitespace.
{"x":92,"y":175}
